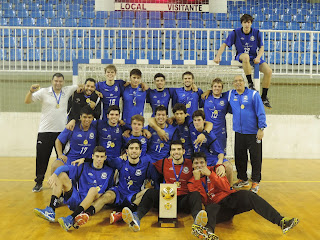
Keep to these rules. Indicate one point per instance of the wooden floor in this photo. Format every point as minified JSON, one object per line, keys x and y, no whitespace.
{"x":291,"y":186}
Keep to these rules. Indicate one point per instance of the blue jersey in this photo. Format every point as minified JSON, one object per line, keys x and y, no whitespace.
{"x":248,"y":111}
{"x":80,"y":143}
{"x":133,"y":103}
{"x":158,"y":149}
{"x":132,"y":176}
{"x":111,"y":94}
{"x":142,"y":139}
{"x":210,"y":146}
{"x":110,"y":138}
{"x":86,"y":176}
{"x":191,"y":99}
{"x":245,"y":43}
{"x":156,"y":98}
{"x":183,"y":133}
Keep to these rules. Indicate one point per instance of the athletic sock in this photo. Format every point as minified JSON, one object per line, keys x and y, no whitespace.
{"x":54,"y":202}
{"x":249,"y":78}
{"x":78,"y":210}
{"x":264,"y":93}
{"x":91,"y":211}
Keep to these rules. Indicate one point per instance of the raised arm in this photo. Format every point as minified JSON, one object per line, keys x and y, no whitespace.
{"x":33,"y":88}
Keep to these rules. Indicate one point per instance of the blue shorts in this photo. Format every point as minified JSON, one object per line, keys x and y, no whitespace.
{"x":222,"y":139}
{"x":74,"y":201}
{"x":251,"y":59}
{"x":121,"y":199}
{"x":213,"y":159}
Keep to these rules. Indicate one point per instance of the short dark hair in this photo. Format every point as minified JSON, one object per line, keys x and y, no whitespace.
{"x":135,"y":71}
{"x":132,"y":141}
{"x":99,"y":149}
{"x":178,"y":107}
{"x":159,"y":75}
{"x":188,"y":73}
{"x":113,"y":108}
{"x":57,"y":75}
{"x":86,"y":110}
{"x":160,"y":108}
{"x":176,"y":142}
{"x":90,"y":80}
{"x":217,"y":80}
{"x":246,"y":18}
{"x":198,"y":155}
{"x":199,"y":113}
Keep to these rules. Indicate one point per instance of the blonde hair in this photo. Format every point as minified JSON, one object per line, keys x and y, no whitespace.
{"x":111,"y":67}
{"x":217,"y":80}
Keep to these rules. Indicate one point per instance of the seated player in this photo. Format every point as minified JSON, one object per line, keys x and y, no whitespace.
{"x":176,"y":170}
{"x":137,"y":122}
{"x":78,"y":100}
{"x":80,"y":142}
{"x":89,"y":182}
{"x":157,"y":148}
{"x":210,"y":146}
{"x":222,"y":203}
{"x":132,"y":174}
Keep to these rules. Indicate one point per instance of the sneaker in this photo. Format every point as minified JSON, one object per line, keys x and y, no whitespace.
{"x":287,"y":223}
{"x":201,"y":218}
{"x":37,"y":187}
{"x":131,"y":218}
{"x":255,"y":187}
{"x":115,"y":217}
{"x":199,"y":231}
{"x":241,"y":184}
{"x":266,"y":103}
{"x":212,"y":236}
{"x":47,"y":213}
{"x":80,"y":220}
{"x":251,"y":86}
{"x":66,"y":222}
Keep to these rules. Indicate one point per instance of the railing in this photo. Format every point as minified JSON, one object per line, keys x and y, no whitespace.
{"x":44,"y":49}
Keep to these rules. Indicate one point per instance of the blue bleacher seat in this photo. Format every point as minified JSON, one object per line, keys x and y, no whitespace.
{"x":89,"y":14}
{"x":269,"y":45}
{"x":172,"y":55}
{"x":169,"y":15}
{"x":296,"y":46}
{"x":307,"y":26}
{"x":182,"y":15}
{"x":50,"y":55}
{"x":184,"y":24}
{"x":119,"y":54}
{"x":225,"y":24}
{"x":305,"y":59}
{"x":123,"y":43}
{"x":140,"y":23}
{"x":187,"y":44}
{"x":88,"y":8}
{"x":317,"y":27}
{"x":36,"y":14}
{"x":286,"y":17}
{"x":294,"y":26}
{"x":42,"y":22}
{"x":298,"y":18}
{"x":71,"y":22}
{"x":90,"y":43}
{"x":280,"y":26}
{"x":32,"y":55}
{"x":273,"y":18}
{"x":74,"y":7}
{"x":43,"y":42}
{"x":47,"y":7}
{"x":154,"y":23}
{"x":85,"y":54}
{"x":49,"y":14}
{"x":207,"y":16}
{"x":188,"y":55}
{"x":154,"y":55}
{"x":9,"y":13}
{"x":154,"y":15}
{"x":139,"y":43}
{"x":195,"y":16}
{"x":75,"y":14}
{"x":226,"y":58}
{"x":74,"y":43}
{"x":15,"y":55}
{"x":6,"y":6}
{"x":9,"y":42}
{"x":61,"y":7}
{"x":115,"y":15}
{"x":202,"y":44}
{"x":211,"y":24}
{"x":0,"y":13}
{"x":112,"y":22}
{"x":275,"y":58}
{"x":313,"y":18}
{"x":3,"y":54}
{"x":216,"y":44}
{"x":293,"y":59}
{"x":58,"y":42}
{"x":98,"y":22}
{"x":33,"y":6}
{"x":199,"y":24}
{"x":168,"y":23}
{"x":142,"y":15}
{"x":128,"y":15}
{"x":108,"y":43}
{"x":28,"y":22}
{"x":56,"y":22}
{"x":20,"y":6}
{"x":266,"y":25}
{"x":102,"y":14}
{"x":62,"y":14}
{"x":136,"y":54}
{"x":234,"y":16}
{"x":54,"y":2}
{"x":170,"y":43}
{"x":221,"y":17}
{"x":155,"y":43}
{"x":106,"y":54}
{"x":84,"y":22}
{"x":126,"y":23}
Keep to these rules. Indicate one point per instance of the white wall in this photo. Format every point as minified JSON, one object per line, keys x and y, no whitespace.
{"x":291,"y":136}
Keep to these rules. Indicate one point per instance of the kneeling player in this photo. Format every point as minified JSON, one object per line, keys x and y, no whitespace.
{"x":89,"y":182}
{"x":222,"y":203}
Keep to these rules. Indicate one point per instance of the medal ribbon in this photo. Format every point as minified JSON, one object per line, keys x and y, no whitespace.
{"x":58,"y":100}
{"x":174,"y":170}
{"x":86,"y":138}
{"x":205,"y":185}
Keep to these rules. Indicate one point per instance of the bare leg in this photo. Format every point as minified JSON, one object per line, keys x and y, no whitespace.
{"x":64,"y":184}
{"x":139,"y":197}
{"x":55,"y":165}
{"x":229,"y":171}
{"x":91,"y":196}
{"x":107,"y":198}
{"x":245,"y":59}
{"x":267,"y":74}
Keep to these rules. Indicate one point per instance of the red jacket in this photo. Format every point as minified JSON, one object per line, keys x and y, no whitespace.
{"x":218,"y":187}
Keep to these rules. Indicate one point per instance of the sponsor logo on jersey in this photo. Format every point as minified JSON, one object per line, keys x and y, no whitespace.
{"x":94,"y":181}
{"x":77,"y":100}
{"x":79,"y":135}
{"x":165,"y":94}
{"x":126,"y":169}
{"x":252,"y":38}
{"x":104,"y":175}
{"x":143,"y":140}
{"x":90,"y":174}
{"x":111,"y":95}
{"x":117,"y":130}
{"x":39,"y":142}
{"x":170,"y":168}
{"x":222,"y":103}
{"x":104,"y":129}
{"x":242,"y":38}
{"x":116,"y":88}
{"x":155,"y":97}
{"x":185,"y":170}
{"x":138,"y":172}
{"x":193,"y":133}
{"x":91,"y":136}
{"x":186,"y":128}
{"x":210,"y":101}
{"x":109,"y":137}
{"x":140,"y":89}
{"x":245,"y":98}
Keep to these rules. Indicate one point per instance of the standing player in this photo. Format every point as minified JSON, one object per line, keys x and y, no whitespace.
{"x":249,"y":121}
{"x":134,"y":97}
{"x":185,"y":95}
{"x":249,"y":45}
{"x":110,"y":132}
{"x":210,"y":146}
{"x":176,"y":170}
{"x":81,"y":141}
{"x":54,"y":101}
{"x":222,"y":203}
{"x":78,"y":100}
{"x":216,"y":107}
{"x":89,"y":182}
{"x":111,"y":89}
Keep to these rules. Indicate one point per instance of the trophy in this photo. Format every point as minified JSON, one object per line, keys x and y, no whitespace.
{"x":168,"y":205}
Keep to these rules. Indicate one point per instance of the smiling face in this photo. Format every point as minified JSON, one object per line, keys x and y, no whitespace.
{"x":238,"y":83}
{"x":160,"y":83}
{"x":177,"y":152}
{"x":110,"y":75}
{"x":89,"y":88}
{"x":161,"y":117}
{"x":217,"y":89}
{"x":57,"y":83}
{"x":98,"y":159}
{"x":134,"y":152}
{"x":199,"y":163}
{"x":86,"y":120}
{"x":113,"y":117}
{"x":187,"y":80}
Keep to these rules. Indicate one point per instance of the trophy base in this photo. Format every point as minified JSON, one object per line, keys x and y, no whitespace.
{"x":168,"y":222}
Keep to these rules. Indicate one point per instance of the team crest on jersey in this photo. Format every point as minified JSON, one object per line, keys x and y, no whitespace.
{"x":79,"y":135}
{"x":117,"y":130}
{"x":143,"y":140}
{"x":109,"y":137}
{"x":242,"y":38}
{"x":193,"y":133}
{"x":208,"y":180}
{"x":140,"y":89}
{"x":90,"y":174}
{"x":186,"y":128}
{"x":111,"y":95}
{"x":134,"y":92}
{"x":222,"y":103}
{"x":165,"y":94}
{"x":104,"y":175}
{"x":77,"y":100}
{"x":210,"y":101}
{"x":185,"y":170}
{"x":138,"y":172}
{"x":91,"y":136}
{"x":252,"y":38}
{"x":116,"y":88}
{"x":245,"y":98}
{"x":183,"y":95}
{"x":155,"y":97}
{"x":126,"y":169}
{"x":104,"y":129}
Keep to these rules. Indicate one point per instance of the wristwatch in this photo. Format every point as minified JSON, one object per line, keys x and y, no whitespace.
{"x":261,"y":129}
{"x":205,"y":132}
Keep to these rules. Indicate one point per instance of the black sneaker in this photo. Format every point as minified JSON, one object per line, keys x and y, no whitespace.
{"x":266,"y":102}
{"x":37,"y":187}
{"x":287,"y":223}
{"x":251,"y":86}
